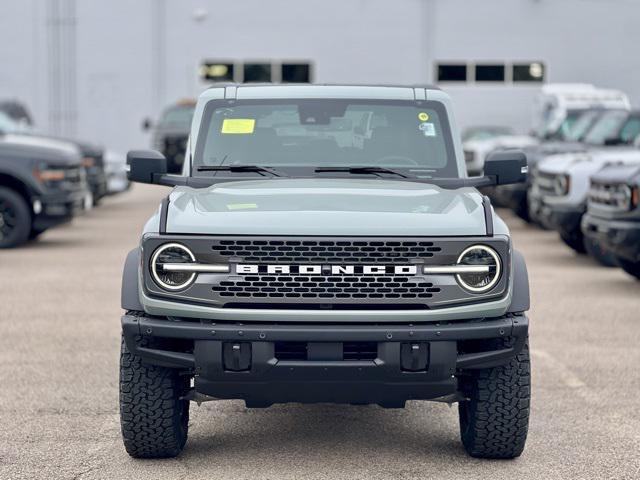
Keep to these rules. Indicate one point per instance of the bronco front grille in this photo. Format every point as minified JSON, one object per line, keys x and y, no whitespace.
{"x":317,"y":287}
{"x":325,"y":251}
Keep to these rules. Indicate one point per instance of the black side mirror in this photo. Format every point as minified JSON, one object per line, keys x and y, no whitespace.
{"x":506,"y":167}
{"x":146,"y":166}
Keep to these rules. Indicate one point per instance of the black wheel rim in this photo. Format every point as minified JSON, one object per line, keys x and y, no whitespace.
{"x":8,"y":219}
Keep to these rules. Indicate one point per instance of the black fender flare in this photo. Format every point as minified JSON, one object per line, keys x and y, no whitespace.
{"x":129,"y":298}
{"x":520,"y":301}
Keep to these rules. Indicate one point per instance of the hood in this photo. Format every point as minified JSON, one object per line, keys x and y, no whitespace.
{"x":618,"y":173}
{"x":326,"y":207}
{"x":34,"y":148}
{"x":590,"y":160}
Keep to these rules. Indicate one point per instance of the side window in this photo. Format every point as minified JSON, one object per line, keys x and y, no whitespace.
{"x":452,"y":73}
{"x":296,"y":73}
{"x":257,"y":72}
{"x":490,"y":73}
{"x":630,"y":130}
{"x":217,"y":71}
{"x":528,"y":72}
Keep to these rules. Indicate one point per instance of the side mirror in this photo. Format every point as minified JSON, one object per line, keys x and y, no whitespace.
{"x":506,"y":167}
{"x":146,"y":166}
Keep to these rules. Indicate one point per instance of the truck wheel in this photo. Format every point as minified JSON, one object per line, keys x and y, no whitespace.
{"x":153,"y":419}
{"x":522,"y":210}
{"x":15,"y":219}
{"x":495,"y":419}
{"x":575,"y":241}
{"x":632,"y":268}
{"x":600,"y":254}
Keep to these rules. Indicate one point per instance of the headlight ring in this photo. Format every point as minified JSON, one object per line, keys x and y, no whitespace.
{"x":479,"y":255}
{"x":172,"y":253}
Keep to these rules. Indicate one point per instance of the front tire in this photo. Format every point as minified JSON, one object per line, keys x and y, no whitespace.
{"x":154,"y":420}
{"x":495,"y":420}
{"x":575,"y":241}
{"x":15,"y":219}
{"x":632,"y":268}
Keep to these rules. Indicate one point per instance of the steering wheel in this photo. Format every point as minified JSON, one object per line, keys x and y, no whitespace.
{"x":397,"y":159}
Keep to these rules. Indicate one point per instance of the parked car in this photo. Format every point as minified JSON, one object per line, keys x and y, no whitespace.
{"x":310,"y":255}
{"x":556,"y":109}
{"x":613,"y":214}
{"x":115,"y":166}
{"x":576,"y":139}
{"x":171,"y":133}
{"x":482,"y":132}
{"x":42,"y":184}
{"x":561,"y":184}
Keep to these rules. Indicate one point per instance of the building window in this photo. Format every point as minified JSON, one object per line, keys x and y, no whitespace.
{"x":452,"y":73}
{"x":490,"y":73}
{"x":217,"y":71}
{"x":296,"y":73}
{"x":528,"y":72}
{"x":257,"y":72}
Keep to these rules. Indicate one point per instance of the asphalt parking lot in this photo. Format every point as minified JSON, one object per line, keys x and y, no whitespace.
{"x":60,"y":338}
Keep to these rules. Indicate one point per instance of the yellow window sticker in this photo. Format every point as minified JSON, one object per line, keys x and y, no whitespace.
{"x":238,"y":125}
{"x":423,"y":117}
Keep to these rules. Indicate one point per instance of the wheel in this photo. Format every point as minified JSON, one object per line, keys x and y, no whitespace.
{"x":575,"y":240}
{"x":35,"y":233}
{"x":15,"y":219}
{"x":522,"y":210}
{"x":632,"y":268}
{"x":600,"y":254}
{"x":495,"y":418}
{"x":153,"y":419}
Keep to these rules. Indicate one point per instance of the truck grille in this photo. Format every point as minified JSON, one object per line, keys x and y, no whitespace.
{"x":545,"y":183}
{"x":327,"y":287}
{"x":612,"y":196}
{"x":325,"y":251}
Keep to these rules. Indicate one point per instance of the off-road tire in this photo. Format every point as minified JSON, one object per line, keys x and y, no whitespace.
{"x":632,"y":268}
{"x":575,"y":241}
{"x":17,"y":212}
{"x":600,"y":254}
{"x":153,"y":419}
{"x":495,"y":419}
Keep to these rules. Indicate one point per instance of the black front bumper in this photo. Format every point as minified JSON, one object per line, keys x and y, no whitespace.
{"x":565,"y":219}
{"x":57,"y":208}
{"x":620,"y":237}
{"x":383,"y":364}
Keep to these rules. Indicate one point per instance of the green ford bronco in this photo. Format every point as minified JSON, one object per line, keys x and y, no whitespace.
{"x":324,"y":244}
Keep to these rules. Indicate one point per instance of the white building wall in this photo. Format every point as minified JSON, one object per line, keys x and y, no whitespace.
{"x":367,"y":41}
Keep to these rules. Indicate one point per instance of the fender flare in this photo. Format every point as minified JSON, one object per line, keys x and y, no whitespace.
{"x":520,"y":301}
{"x":129,"y":298}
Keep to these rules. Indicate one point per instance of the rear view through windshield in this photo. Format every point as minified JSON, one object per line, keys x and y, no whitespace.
{"x":323,"y":133}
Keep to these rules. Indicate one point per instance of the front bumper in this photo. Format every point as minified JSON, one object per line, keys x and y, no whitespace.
{"x":55,"y":208}
{"x":566,"y":219}
{"x":269,"y":363}
{"x":620,"y":237}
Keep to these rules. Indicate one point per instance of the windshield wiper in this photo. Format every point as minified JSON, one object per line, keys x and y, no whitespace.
{"x":360,"y":170}
{"x":238,"y":169}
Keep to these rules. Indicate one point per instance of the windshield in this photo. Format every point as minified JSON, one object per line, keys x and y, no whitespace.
{"x":582,"y":125}
{"x":327,"y":133}
{"x":564,"y":130}
{"x":607,"y":126}
{"x":178,"y":116}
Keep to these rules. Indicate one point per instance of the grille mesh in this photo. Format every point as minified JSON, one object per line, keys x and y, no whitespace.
{"x":317,"y":287}
{"x":325,"y":251}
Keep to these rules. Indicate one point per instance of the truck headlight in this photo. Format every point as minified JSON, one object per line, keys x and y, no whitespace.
{"x":172,"y":253}
{"x":45,"y":174}
{"x":485,"y":278}
{"x":561,"y":185}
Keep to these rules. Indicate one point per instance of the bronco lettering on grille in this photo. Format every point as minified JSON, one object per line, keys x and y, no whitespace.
{"x":331,"y":269}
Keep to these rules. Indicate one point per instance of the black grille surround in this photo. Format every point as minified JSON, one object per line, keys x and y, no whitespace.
{"x":326,"y":289}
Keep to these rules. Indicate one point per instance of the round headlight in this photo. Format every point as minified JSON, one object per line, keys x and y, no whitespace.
{"x":561,"y":185}
{"x":480,"y":256}
{"x":172,"y":253}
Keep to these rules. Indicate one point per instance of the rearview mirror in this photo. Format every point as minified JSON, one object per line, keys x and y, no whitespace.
{"x":506,"y":166}
{"x":146,"y":166}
